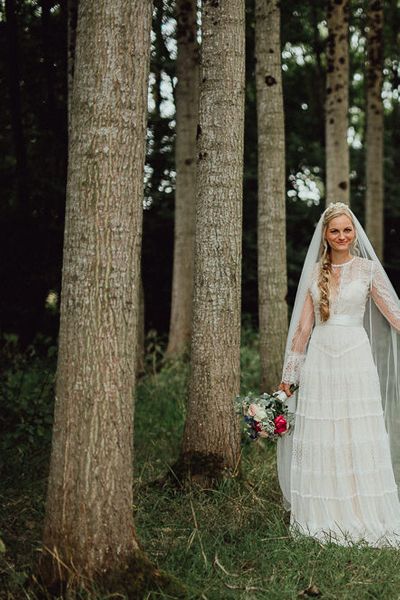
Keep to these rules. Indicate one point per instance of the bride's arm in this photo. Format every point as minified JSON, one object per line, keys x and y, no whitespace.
{"x":385,"y":298}
{"x":295,"y":358}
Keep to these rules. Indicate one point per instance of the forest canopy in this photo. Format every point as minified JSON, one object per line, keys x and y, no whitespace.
{"x":33,"y":163}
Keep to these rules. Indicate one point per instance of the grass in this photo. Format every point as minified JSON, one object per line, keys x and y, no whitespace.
{"x":230,"y":542}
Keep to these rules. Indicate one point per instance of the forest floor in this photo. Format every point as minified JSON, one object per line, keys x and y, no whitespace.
{"x":231,"y":542}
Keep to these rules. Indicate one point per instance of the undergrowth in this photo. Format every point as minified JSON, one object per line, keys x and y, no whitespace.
{"x":229,"y":542}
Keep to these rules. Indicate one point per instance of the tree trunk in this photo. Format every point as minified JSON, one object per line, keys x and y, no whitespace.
{"x":317,"y":88}
{"x":72,"y":16}
{"x":187,"y":98}
{"x":337,"y":103}
{"x":272,"y":276}
{"x":141,"y":331}
{"x":211,"y":441}
{"x":48,"y":65}
{"x":89,"y":527}
{"x":375,"y":125}
{"x":13,"y":65}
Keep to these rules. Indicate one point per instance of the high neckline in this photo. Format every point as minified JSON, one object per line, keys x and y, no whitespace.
{"x":343,"y":264}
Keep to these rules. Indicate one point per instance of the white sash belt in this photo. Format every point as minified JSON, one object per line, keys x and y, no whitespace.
{"x":346,"y":320}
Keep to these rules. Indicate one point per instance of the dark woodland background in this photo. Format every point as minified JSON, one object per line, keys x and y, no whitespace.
{"x":33,"y":157}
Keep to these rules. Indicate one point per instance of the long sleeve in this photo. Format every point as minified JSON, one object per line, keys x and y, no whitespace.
{"x":385,"y":299}
{"x":295,"y":358}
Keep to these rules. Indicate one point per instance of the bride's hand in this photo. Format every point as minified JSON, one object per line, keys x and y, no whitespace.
{"x":286,"y":388}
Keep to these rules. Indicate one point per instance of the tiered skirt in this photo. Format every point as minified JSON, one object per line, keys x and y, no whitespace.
{"x":342,"y":482}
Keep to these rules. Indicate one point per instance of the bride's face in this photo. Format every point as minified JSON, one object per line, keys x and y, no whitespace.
{"x":340,"y":233}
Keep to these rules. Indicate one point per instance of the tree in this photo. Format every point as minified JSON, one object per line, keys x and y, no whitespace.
{"x":211,"y":441}
{"x":89,"y":529}
{"x":140,"y":360}
{"x":72,"y":18}
{"x":375,"y":127}
{"x":13,"y":68}
{"x":187,"y":98}
{"x":272,"y":277}
{"x":337,"y":103}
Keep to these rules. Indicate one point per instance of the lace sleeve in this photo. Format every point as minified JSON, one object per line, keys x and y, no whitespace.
{"x":295,"y":358}
{"x":385,"y":298}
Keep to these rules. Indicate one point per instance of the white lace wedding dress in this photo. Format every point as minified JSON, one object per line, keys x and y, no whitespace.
{"x":342,"y":482}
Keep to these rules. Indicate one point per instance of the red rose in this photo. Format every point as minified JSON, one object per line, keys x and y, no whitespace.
{"x":280,"y":424}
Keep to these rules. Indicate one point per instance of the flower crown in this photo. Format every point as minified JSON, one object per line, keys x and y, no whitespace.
{"x":334,"y":205}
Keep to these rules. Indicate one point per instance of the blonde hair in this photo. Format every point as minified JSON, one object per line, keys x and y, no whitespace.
{"x":325,"y":262}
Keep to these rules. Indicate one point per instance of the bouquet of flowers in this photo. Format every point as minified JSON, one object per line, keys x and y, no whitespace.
{"x":266,"y":415}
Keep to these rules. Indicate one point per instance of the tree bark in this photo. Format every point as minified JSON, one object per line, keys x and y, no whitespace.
{"x":187,"y":99}
{"x":89,"y":528}
{"x":140,"y":368}
{"x":375,"y":126}
{"x":337,"y":103}
{"x":72,"y":17}
{"x":272,"y":274}
{"x":13,"y":65}
{"x":211,"y":441}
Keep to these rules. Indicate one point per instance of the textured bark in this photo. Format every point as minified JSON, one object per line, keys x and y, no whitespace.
{"x":72,"y":17}
{"x":272,"y":275}
{"x":337,"y":103}
{"x":375,"y":125}
{"x":13,"y":64}
{"x":89,"y":524}
{"x":187,"y":99}
{"x":211,"y":442}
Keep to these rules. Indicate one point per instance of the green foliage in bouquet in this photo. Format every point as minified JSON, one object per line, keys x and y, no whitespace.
{"x":266,"y":415}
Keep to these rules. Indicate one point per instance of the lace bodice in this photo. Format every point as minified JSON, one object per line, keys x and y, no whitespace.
{"x":352,"y":284}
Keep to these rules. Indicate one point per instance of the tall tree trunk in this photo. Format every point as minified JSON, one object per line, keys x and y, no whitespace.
{"x":140,"y":361}
{"x":272,"y":275}
{"x":211,"y":441}
{"x":337,"y":103}
{"x":46,"y":6}
{"x":13,"y":65}
{"x":72,"y":17}
{"x":89,"y":524}
{"x":317,"y":88}
{"x":187,"y":99}
{"x":375,"y":125}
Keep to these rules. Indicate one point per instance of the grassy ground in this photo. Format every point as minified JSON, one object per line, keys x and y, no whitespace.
{"x":231,"y":542}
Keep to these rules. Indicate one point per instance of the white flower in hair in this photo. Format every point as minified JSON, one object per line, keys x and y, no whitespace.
{"x":333,"y":205}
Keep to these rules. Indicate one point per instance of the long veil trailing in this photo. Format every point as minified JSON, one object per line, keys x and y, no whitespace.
{"x":384,"y":341}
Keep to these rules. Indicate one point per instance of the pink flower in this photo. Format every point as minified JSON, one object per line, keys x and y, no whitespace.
{"x":280,"y":425}
{"x":252,"y":410}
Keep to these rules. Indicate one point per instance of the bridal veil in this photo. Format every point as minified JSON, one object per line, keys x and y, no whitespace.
{"x":384,"y":339}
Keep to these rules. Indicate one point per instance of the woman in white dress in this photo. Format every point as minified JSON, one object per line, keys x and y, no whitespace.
{"x":338,"y":468}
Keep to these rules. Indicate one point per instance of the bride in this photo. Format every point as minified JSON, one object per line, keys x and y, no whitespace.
{"x":339,"y":467}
